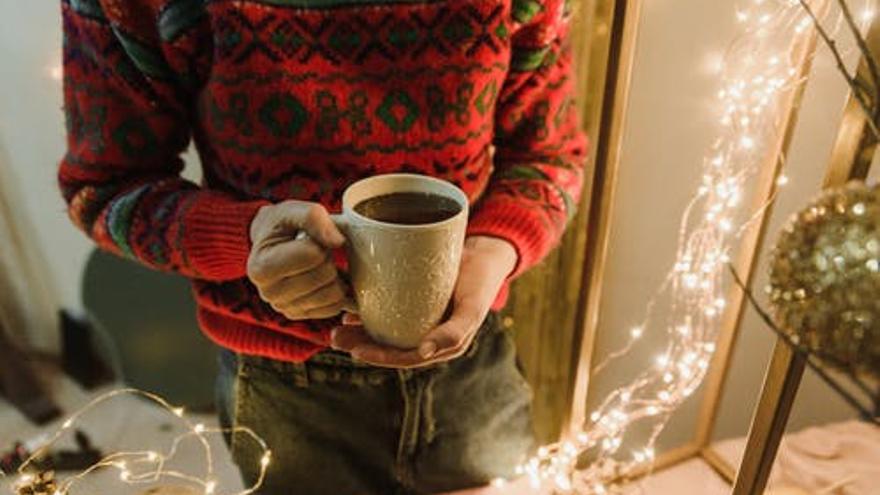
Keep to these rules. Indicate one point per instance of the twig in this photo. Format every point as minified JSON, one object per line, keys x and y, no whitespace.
{"x":767,"y":319}
{"x":841,"y":66}
{"x":801,"y":351}
{"x":866,"y":53}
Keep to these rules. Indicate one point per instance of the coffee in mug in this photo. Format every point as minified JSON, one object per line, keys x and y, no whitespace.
{"x":408,"y":208}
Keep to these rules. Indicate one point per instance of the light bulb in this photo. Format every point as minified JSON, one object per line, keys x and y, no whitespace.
{"x":662,"y":361}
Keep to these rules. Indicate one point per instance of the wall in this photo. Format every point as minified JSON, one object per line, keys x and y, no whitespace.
{"x":31,"y":138}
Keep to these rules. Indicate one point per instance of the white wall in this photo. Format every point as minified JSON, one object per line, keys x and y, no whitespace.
{"x":31,"y":136}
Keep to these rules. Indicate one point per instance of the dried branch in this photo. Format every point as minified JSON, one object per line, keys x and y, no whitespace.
{"x":865,"y":412}
{"x":855,"y":85}
{"x":866,"y":53}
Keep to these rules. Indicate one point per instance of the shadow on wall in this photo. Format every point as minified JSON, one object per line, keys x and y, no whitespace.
{"x":149,"y":318}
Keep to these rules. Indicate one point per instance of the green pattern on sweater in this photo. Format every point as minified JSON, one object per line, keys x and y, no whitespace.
{"x":147,"y":59}
{"x":119,"y":218}
{"x":90,"y":8}
{"x":178,"y":16}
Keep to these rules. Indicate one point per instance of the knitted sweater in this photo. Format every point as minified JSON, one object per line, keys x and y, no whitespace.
{"x":296,"y":99}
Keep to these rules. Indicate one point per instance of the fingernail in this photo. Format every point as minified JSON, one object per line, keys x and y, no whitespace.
{"x":427,"y":349}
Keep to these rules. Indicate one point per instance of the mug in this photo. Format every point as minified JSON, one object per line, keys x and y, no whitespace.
{"x":402,"y":275}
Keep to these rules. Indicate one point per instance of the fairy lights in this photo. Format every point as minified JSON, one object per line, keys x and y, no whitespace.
{"x":148,"y":466}
{"x":757,"y":75}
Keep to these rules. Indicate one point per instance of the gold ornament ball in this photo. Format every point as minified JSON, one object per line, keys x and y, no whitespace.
{"x":825,"y":278}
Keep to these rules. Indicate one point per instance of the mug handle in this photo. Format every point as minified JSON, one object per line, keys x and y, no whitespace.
{"x":341,"y":221}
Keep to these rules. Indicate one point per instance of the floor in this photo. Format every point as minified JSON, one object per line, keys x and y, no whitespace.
{"x":124,"y":422}
{"x":127,"y":422}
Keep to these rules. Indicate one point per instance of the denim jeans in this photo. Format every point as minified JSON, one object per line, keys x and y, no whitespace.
{"x":339,"y":427}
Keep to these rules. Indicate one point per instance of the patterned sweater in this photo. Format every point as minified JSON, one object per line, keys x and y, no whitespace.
{"x":297,"y":99}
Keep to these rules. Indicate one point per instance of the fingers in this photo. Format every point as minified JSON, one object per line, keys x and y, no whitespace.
{"x":452,"y":338}
{"x":270,"y":263}
{"x":297,"y":313}
{"x":354,"y":340}
{"x":351,"y":318}
{"x":316,"y":222}
{"x":290,"y":264}
{"x":349,"y":337}
{"x":324,"y":302}
{"x":296,"y":286}
{"x":447,"y":341}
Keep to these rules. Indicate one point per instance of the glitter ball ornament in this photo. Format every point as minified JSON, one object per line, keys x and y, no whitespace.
{"x":825,"y":278}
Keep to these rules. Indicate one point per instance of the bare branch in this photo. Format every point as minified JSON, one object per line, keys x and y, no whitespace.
{"x":855,"y":86}
{"x":866,"y":54}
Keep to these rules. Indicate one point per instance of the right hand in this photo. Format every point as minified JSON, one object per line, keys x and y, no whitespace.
{"x":295,"y":274}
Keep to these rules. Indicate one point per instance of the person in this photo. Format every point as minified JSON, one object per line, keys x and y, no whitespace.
{"x":287,"y":102}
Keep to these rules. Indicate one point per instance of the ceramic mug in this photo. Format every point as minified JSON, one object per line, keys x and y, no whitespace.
{"x":402,"y":275}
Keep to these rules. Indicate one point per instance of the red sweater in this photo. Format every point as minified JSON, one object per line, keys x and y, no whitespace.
{"x":297,"y":99}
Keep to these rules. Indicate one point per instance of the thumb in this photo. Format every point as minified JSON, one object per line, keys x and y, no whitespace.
{"x":320,"y":227}
{"x":454,"y":334}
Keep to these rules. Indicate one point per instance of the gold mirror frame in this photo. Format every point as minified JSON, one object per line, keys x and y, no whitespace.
{"x":603,"y":41}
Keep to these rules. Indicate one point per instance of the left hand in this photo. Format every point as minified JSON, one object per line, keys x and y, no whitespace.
{"x":485,"y":264}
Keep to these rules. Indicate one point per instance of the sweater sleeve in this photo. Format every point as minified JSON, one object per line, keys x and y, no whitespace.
{"x":540,"y":148}
{"x":127,"y":123}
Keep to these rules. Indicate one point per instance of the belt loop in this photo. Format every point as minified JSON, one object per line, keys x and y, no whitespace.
{"x":300,"y":375}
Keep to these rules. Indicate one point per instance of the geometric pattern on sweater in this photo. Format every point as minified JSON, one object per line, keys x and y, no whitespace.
{"x":360,"y":39}
{"x":285,"y":115}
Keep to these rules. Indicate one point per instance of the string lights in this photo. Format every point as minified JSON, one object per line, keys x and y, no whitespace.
{"x":757,"y":75}
{"x":148,"y":466}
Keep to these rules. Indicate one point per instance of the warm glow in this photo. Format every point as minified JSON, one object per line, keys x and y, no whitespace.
{"x":137,"y":467}
{"x":755,"y":77}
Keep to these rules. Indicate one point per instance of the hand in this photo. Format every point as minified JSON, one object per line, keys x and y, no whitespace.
{"x":294,"y":273}
{"x":485,"y":264}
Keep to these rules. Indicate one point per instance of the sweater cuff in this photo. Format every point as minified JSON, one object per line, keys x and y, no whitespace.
{"x":217,"y":235}
{"x":518,"y":224}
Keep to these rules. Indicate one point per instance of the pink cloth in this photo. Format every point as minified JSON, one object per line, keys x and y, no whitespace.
{"x":834,"y":459}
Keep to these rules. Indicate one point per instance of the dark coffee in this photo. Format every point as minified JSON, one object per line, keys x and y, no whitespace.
{"x":408,"y":208}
